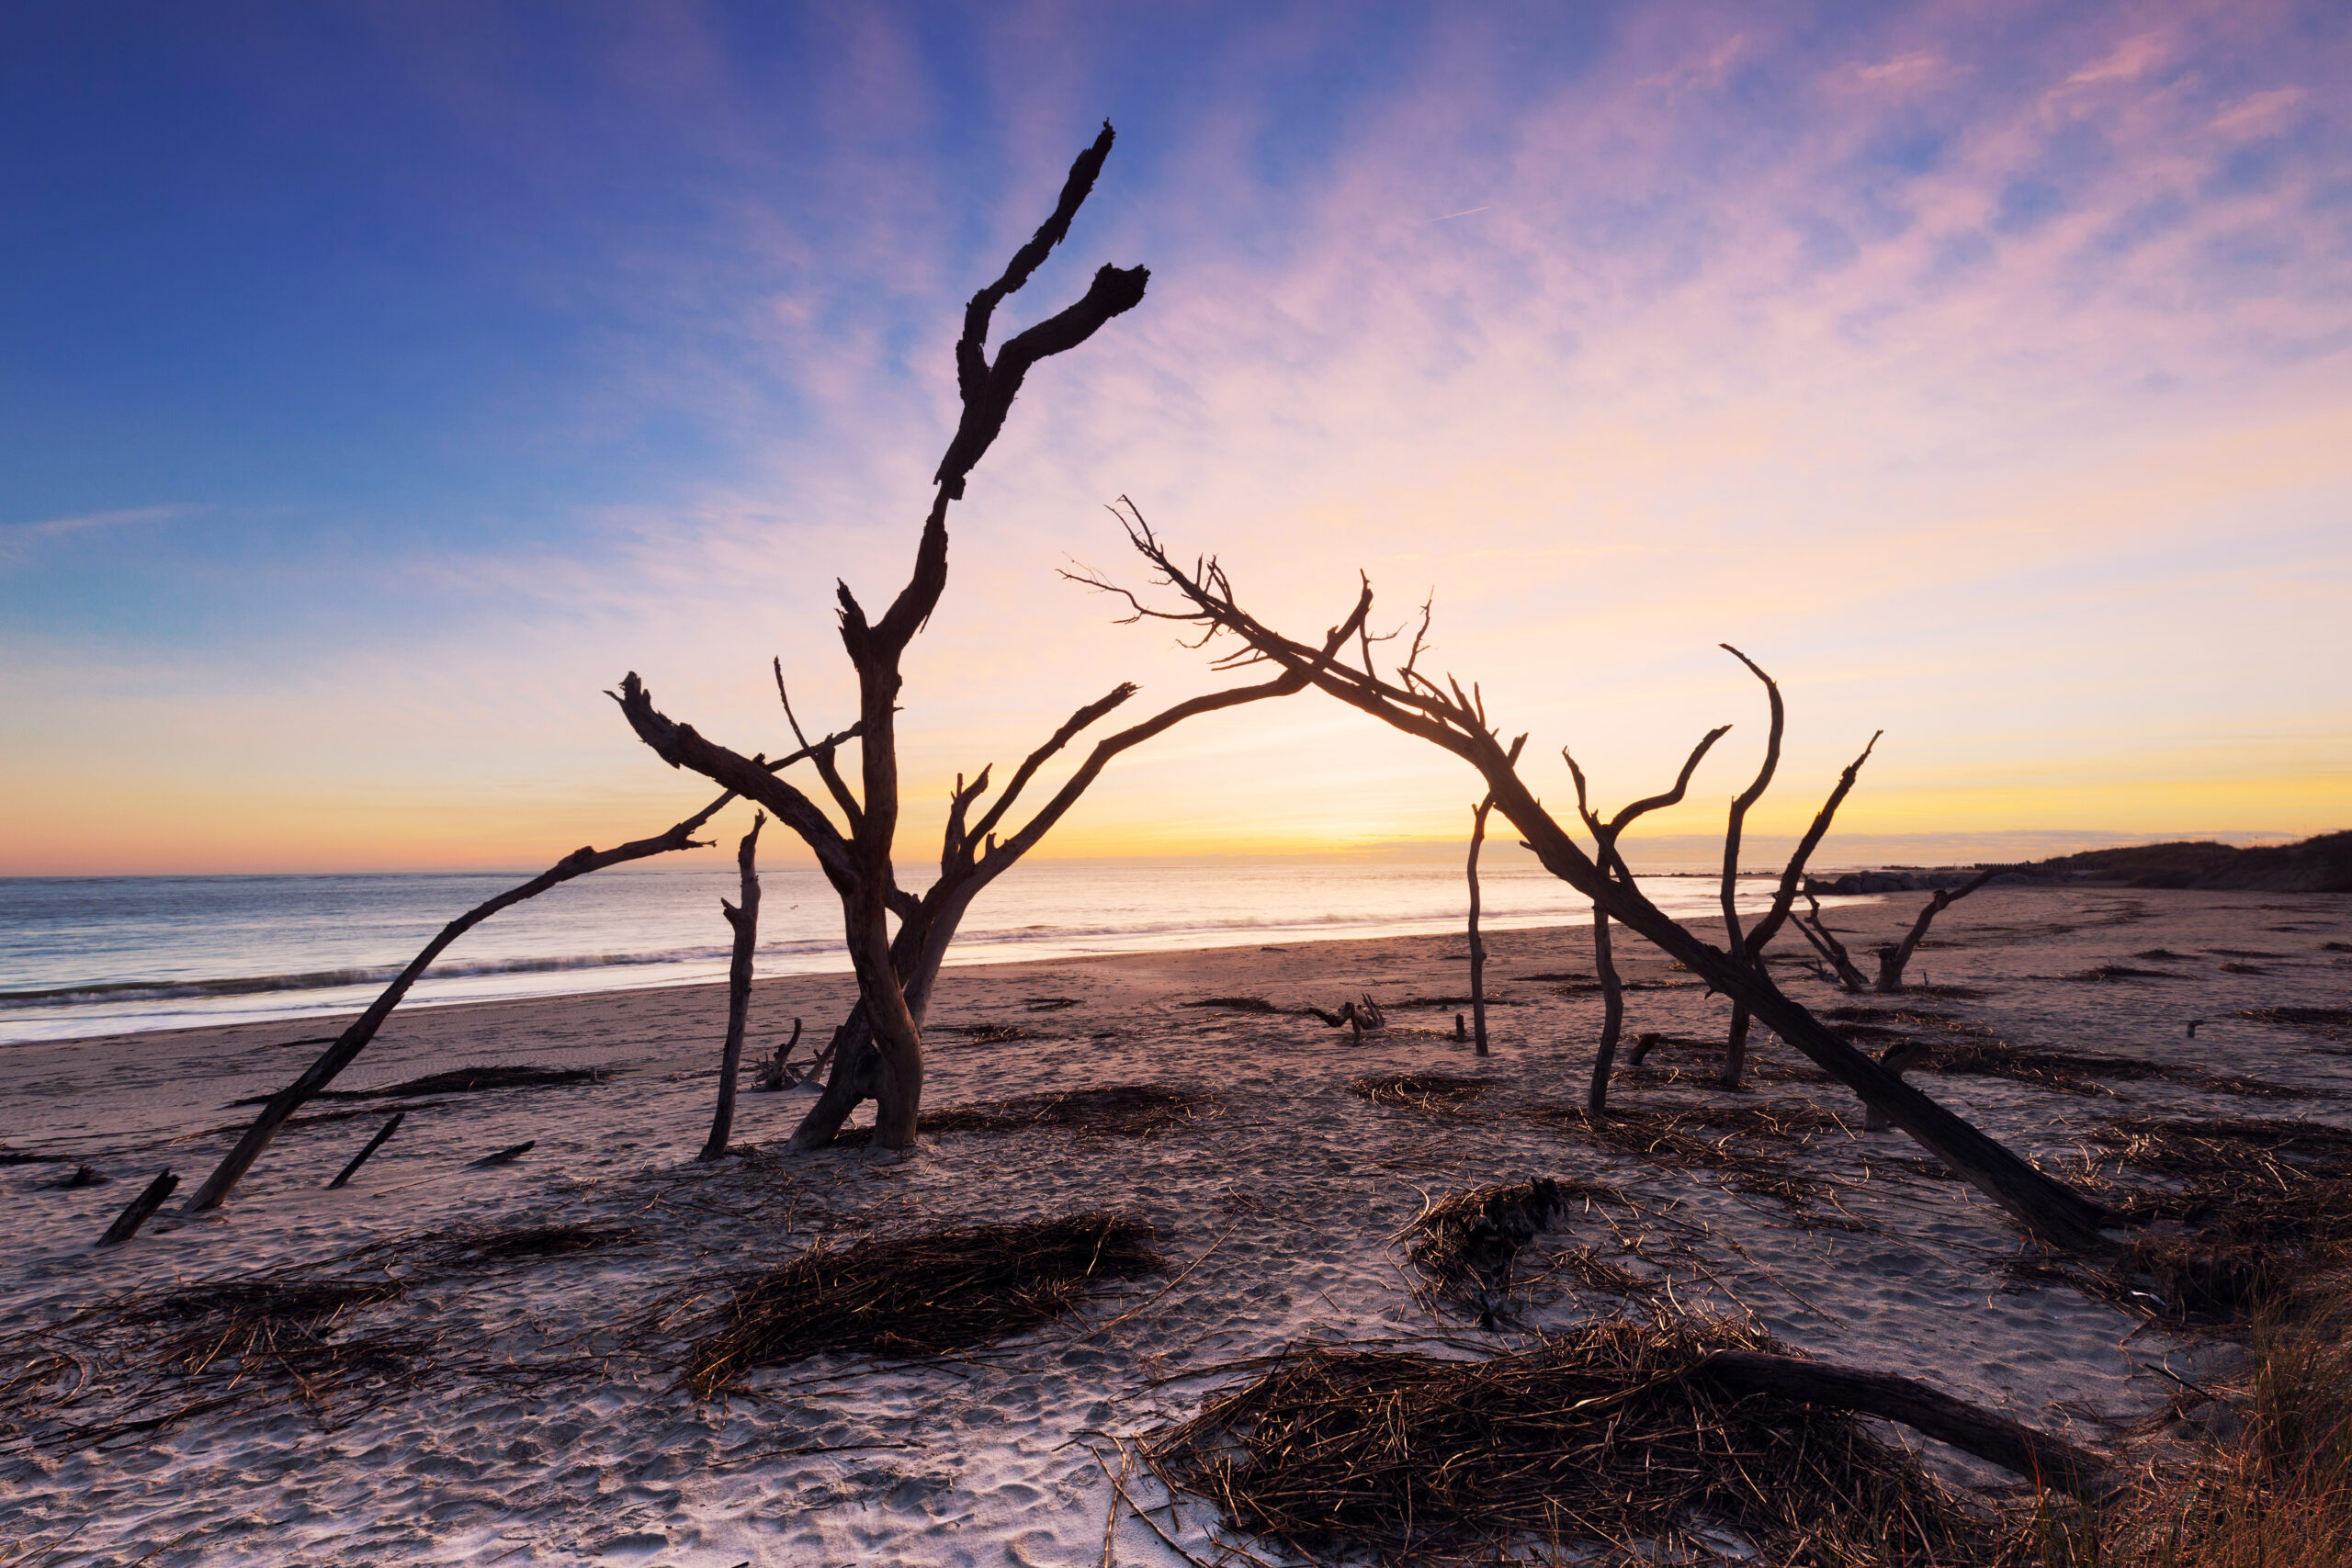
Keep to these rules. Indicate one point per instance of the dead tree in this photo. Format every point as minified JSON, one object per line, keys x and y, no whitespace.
{"x":1477,"y":946}
{"x":1893,"y":959}
{"x":878,"y":1052}
{"x":1454,"y":719}
{"x":1783,"y":904}
{"x":1608,"y":863}
{"x":745,"y":920}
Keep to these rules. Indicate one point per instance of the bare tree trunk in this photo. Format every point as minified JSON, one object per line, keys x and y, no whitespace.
{"x":1477,"y":944}
{"x":881,"y":1054}
{"x":745,"y":919}
{"x":1613,"y":1015}
{"x":1892,"y":961}
{"x":1612,"y":864}
{"x":1736,"y":1047}
{"x":353,"y":1040}
{"x":141,"y":1210}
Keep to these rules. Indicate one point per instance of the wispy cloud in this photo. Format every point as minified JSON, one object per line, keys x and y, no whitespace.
{"x":18,"y":541}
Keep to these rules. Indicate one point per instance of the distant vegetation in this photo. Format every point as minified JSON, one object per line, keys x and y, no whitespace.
{"x":2323,"y":865}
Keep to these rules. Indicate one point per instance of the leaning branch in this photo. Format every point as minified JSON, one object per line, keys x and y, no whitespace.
{"x":353,"y":1040}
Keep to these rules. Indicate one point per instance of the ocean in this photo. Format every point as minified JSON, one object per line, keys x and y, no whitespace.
{"x":81,"y":956}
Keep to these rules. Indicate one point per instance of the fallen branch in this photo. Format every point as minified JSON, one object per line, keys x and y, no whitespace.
{"x":378,"y":1142}
{"x":141,"y":1210}
{"x":353,"y":1040}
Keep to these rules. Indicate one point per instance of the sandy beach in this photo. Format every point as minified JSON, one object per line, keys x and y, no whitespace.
{"x":529,"y":1409}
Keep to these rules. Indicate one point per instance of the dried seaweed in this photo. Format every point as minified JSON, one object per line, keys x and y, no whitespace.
{"x":2252,"y":1204}
{"x":454,"y":1248}
{"x":2329,"y":1023}
{"x":1467,"y":1246}
{"x":140,"y":1363}
{"x":460,"y":1080}
{"x":1599,"y":1439}
{"x":1437,"y":1094}
{"x":920,"y":1293}
{"x":1748,"y":1145}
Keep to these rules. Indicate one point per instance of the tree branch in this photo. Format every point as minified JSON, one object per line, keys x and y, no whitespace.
{"x":820,"y":755}
{"x":353,"y":1040}
{"x":678,"y":745}
{"x":1747,"y":799}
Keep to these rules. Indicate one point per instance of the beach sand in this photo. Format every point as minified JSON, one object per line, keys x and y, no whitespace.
{"x":549,"y":1426}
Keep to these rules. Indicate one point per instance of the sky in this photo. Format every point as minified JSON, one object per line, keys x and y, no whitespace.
{"x":378,"y":384}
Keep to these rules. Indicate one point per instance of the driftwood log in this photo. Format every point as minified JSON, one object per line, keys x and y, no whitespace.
{"x":139,"y":1210}
{"x":383,"y":1136}
{"x":2052,"y":1461}
{"x":744,"y":919}
{"x":1898,"y":1058}
{"x":506,"y":1156}
{"x":1837,"y":964}
{"x":1454,"y":719}
{"x":353,"y":1040}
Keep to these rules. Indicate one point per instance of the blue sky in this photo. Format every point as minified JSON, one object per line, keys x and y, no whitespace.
{"x":378,"y":383}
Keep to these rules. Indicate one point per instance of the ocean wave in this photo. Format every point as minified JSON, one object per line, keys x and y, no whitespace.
{"x":117,"y":991}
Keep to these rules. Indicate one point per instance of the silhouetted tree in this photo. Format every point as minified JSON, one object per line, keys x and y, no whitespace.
{"x":1448,"y":716}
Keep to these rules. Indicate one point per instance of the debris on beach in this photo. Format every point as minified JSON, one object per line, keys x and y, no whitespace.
{"x":1622,"y":1434}
{"x":1127,"y":1110}
{"x":1436,"y":1094}
{"x":919,"y":1293}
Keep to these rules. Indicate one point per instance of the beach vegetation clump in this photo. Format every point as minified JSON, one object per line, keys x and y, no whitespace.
{"x":1611,"y":1437}
{"x":2269,"y":1482}
{"x":913,"y":1294}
